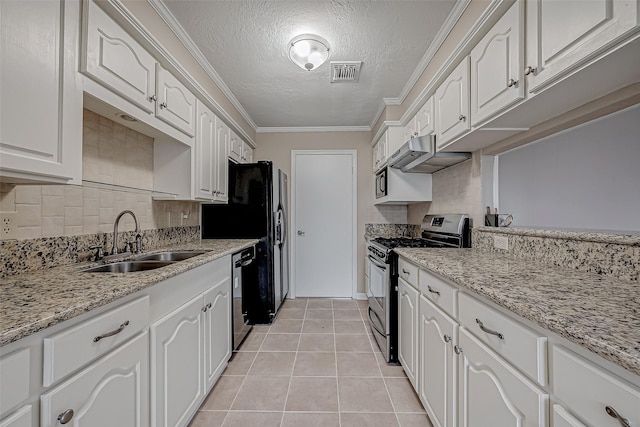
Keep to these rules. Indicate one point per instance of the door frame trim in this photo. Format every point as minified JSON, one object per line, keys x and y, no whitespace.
{"x":354,"y":220}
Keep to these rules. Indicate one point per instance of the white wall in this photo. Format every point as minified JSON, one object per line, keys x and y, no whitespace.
{"x":585,"y":178}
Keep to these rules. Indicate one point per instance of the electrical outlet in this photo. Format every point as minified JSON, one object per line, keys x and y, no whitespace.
{"x":501,"y":242}
{"x":8,"y":230}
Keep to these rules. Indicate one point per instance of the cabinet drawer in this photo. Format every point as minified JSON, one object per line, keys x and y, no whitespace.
{"x":588,"y":390}
{"x":72,"y":348}
{"x":408,"y":272}
{"x":523,"y":347}
{"x":22,"y":418}
{"x":14,"y":379}
{"x":439,"y":292}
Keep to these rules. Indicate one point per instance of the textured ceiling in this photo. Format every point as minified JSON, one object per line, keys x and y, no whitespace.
{"x":246,"y":42}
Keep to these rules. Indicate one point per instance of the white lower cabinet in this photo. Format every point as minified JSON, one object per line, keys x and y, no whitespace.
{"x":113,"y":391}
{"x":22,"y":418}
{"x":408,"y":330}
{"x":493,"y":393}
{"x":561,"y":418}
{"x":437,"y":368}
{"x":217,"y":330}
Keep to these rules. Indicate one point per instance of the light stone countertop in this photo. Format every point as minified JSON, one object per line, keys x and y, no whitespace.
{"x":34,"y":301}
{"x":599,"y":313}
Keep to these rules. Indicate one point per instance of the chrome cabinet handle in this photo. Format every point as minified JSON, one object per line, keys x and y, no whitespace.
{"x":433,"y":291}
{"x":457,"y":349}
{"x":446,"y":338}
{"x":163,"y":105}
{"x":462,"y":118}
{"x":512,"y":83}
{"x":406,"y":272}
{"x":614,"y":414}
{"x":153,"y":98}
{"x":206,"y":307}
{"x":489,"y":331}
{"x":300,"y":233}
{"x":112,"y":333}
{"x":529,"y":70}
{"x":66,"y":416}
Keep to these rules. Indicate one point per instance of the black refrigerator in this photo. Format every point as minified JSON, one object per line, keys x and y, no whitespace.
{"x":257,"y":209}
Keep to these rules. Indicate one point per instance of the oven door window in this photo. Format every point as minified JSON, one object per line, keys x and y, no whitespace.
{"x":378,"y":283}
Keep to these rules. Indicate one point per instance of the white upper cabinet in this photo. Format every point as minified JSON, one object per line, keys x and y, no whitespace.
{"x":497,"y":66}
{"x":204,"y":152}
{"x":380,"y":152}
{"x":452,"y":105}
{"x":176,"y":105}
{"x":563,"y":34}
{"x":239,"y":151}
{"x":221,"y":165}
{"x":41,"y":102}
{"x":116,"y":60}
{"x":425,"y":120}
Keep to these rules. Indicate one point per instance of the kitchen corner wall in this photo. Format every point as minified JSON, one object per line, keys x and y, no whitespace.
{"x":117,"y":165}
{"x":457,"y":189}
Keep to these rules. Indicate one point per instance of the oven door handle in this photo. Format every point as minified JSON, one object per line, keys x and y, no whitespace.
{"x":377,"y":263}
{"x":373,"y":323}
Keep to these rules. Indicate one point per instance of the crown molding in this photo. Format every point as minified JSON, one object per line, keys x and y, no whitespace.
{"x":306,"y":129}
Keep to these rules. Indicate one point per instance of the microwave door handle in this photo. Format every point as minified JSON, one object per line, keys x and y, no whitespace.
{"x":383,"y":184}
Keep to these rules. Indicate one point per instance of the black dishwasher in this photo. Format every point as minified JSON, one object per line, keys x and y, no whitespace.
{"x":244,"y":278}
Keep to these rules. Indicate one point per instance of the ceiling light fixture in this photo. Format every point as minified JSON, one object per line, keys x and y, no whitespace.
{"x":308,"y":51}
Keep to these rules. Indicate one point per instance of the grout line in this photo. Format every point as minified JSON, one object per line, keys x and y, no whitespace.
{"x":335,"y":355}
{"x":295,"y":359}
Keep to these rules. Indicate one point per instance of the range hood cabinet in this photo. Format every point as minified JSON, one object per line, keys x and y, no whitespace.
{"x":418,"y":155}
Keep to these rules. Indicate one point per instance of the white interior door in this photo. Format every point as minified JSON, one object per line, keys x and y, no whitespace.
{"x":323,"y":223}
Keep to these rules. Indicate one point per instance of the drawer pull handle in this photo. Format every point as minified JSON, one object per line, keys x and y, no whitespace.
{"x":446,"y":338}
{"x":614,"y":414}
{"x":66,"y":416}
{"x":489,"y":331}
{"x":406,"y":272}
{"x":433,"y":291}
{"x":112,"y":333}
{"x":457,"y":349}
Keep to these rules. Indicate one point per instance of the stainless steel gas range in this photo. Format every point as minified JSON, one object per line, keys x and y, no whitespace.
{"x":438,"y":231}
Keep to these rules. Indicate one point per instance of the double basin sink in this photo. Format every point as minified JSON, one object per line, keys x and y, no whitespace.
{"x":144,"y":262}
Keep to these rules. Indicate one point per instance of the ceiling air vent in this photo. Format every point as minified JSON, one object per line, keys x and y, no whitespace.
{"x":345,"y":71}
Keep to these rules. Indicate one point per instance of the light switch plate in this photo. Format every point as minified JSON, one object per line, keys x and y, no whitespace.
{"x":8,"y":225}
{"x":501,"y":242}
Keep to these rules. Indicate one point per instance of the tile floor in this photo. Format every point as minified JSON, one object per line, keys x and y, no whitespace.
{"x":316,"y":365}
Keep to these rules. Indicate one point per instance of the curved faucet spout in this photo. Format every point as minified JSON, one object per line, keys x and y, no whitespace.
{"x":114,"y":250}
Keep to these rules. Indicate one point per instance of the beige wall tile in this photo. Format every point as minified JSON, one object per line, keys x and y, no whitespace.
{"x":28,"y":194}
{"x":52,"y":226}
{"x":73,"y":216}
{"x":73,"y":230}
{"x":90,"y":224}
{"x":29,"y":233}
{"x":53,"y":190}
{"x":73,"y":196}
{"x":29,"y":215}
{"x":7,"y":198}
{"x":52,"y":206}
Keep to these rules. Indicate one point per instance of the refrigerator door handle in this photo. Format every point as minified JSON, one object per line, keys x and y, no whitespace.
{"x":283,"y":225}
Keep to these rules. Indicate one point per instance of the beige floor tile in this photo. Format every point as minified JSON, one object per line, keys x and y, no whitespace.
{"x":240,"y":363}
{"x":363,"y":304}
{"x":310,"y":419}
{"x":223,"y":393}
{"x":318,"y":314}
{"x":414,"y":420}
{"x":273,"y":363}
{"x":315,"y":364}
{"x":357,"y":365}
{"x":312,"y":394}
{"x":353,"y":343}
{"x":208,"y":419}
{"x":368,"y":420}
{"x":291,"y":313}
{"x":317,"y":342}
{"x":347,"y":315}
{"x":261,"y":329}
{"x":323,"y":303}
{"x":349,"y":327}
{"x":281,"y":342}
{"x":247,"y":419}
{"x":403,"y":396}
{"x":363,"y":395}
{"x":295,"y":303}
{"x":318,"y":326}
{"x":262,"y":393}
{"x":345,"y":304}
{"x":393,"y":371}
{"x":286,"y":326}
{"x":252,"y":342}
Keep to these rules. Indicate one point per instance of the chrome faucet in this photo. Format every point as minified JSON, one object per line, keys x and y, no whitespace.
{"x":114,"y":250}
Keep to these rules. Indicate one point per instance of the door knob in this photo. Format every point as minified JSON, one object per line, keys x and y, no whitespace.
{"x":300,"y":233}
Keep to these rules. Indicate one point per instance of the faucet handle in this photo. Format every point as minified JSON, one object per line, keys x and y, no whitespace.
{"x":129,"y":245}
{"x":99,"y":252}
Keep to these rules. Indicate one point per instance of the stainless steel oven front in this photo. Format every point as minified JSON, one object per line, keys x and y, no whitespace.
{"x":382,"y":298}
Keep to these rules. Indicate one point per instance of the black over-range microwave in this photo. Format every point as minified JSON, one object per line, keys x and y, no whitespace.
{"x":381,"y":183}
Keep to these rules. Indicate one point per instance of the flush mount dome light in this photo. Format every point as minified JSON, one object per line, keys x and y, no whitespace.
{"x":308,"y":51}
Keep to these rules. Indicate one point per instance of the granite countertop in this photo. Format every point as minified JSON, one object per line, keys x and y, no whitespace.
{"x":34,"y":301}
{"x":599,"y":313}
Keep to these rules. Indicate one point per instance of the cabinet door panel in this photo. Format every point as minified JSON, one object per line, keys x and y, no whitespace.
{"x":452,"y":105}
{"x":111,"y":392}
{"x":220,"y":164}
{"x":116,"y":60}
{"x":205,"y":147}
{"x":176,"y":105}
{"x":217,"y":340}
{"x":425,"y":124}
{"x":492,"y":393}
{"x":22,"y":418}
{"x":438,"y":333}
{"x":562,"y":418}
{"x":408,"y":330}
{"x":176,"y":365}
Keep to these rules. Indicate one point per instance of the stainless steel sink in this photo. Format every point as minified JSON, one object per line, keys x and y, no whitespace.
{"x":127,"y":267}
{"x":169,"y":256}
